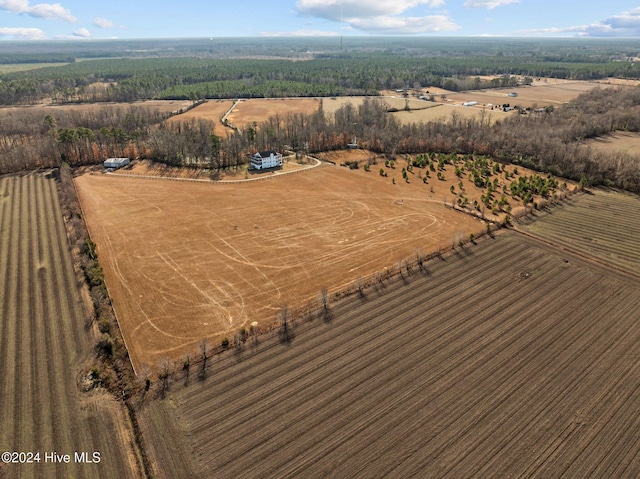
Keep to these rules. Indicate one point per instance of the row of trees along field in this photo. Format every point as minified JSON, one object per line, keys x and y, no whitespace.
{"x":350,"y":74}
{"x":547,"y":141}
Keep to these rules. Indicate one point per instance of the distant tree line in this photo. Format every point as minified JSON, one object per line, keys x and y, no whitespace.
{"x":549,"y":140}
{"x":124,"y":79}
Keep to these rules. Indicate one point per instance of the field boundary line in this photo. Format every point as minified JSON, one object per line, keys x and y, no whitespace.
{"x":113,"y":308}
{"x":224,"y":121}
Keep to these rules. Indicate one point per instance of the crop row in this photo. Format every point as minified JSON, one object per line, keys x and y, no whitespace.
{"x":602,"y":224}
{"x":43,"y":342}
{"x":507,"y":346}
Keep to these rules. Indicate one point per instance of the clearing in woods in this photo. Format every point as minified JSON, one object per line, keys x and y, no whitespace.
{"x":212,"y":110}
{"x":44,"y":345}
{"x":259,"y":110}
{"x":188,"y":260}
{"x":621,"y":141}
{"x":512,"y":358}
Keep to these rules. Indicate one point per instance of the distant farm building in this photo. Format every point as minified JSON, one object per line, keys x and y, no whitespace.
{"x":266,"y":159}
{"x":470,"y":103}
{"x":116,"y":162}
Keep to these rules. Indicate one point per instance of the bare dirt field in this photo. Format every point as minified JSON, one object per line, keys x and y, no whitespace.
{"x":187,"y":260}
{"x":512,"y":358}
{"x":259,"y":110}
{"x":621,"y":141}
{"x":45,"y":345}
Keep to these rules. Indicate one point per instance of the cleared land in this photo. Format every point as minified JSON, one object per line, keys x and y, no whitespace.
{"x":259,"y":110}
{"x":445,"y":111}
{"x":543,"y":92}
{"x":164,"y":106}
{"x":528,"y":96}
{"x":188,"y":260}
{"x":44,"y":345}
{"x":621,"y":141}
{"x":212,"y":110}
{"x":23,"y":67}
{"x":512,"y":359}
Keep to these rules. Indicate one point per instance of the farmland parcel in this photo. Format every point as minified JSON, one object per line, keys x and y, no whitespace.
{"x":186,"y":261}
{"x":44,"y":345}
{"x":513,"y":358}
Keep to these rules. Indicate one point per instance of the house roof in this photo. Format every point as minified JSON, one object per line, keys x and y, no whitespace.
{"x":266,"y":153}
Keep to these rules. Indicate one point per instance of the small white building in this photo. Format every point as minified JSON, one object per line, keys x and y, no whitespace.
{"x":470,"y":103}
{"x":116,"y":162}
{"x":266,"y":159}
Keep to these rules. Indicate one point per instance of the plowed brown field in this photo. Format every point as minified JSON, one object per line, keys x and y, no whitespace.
{"x":512,"y":359}
{"x":186,"y":260}
{"x":44,"y":344}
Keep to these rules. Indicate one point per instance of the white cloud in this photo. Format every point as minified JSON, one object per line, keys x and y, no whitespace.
{"x":333,"y":9}
{"x":82,"y":32}
{"x":406,"y":25}
{"x":627,"y":24}
{"x":23,"y":33}
{"x":103,"y":23}
{"x":40,"y":10}
{"x":300,"y":33}
{"x":489,"y":4}
{"x":378,"y":16}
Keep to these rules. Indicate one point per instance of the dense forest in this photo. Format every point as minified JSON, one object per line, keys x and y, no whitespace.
{"x":217,"y":68}
{"x":549,"y":141}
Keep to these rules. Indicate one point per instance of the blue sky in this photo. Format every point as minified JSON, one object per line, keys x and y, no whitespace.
{"x":83,"y":19}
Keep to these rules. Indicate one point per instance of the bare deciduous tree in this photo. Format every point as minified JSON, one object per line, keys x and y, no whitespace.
{"x":204,"y":349}
{"x":286,"y":333}
{"x":324,"y":303}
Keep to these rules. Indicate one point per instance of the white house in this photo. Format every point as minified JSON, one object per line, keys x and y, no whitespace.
{"x":266,"y":159}
{"x":470,"y":103}
{"x":116,"y":162}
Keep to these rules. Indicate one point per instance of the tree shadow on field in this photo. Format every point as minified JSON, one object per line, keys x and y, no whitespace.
{"x":463,"y":251}
{"x":326,"y":315}
{"x":286,"y":335}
